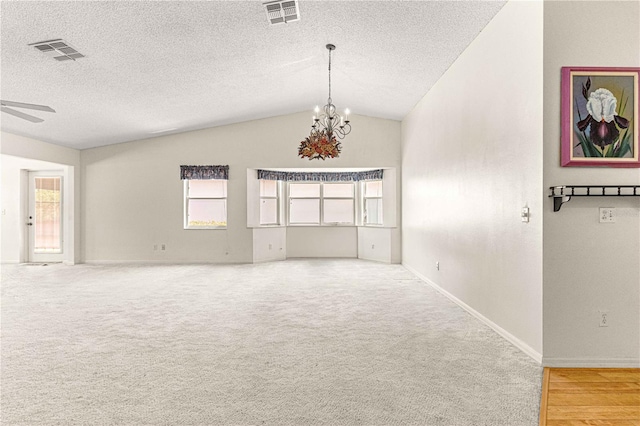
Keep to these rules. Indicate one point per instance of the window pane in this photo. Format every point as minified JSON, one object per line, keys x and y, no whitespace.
{"x":216,"y":188}
{"x":338,"y":211}
{"x":48,"y":213}
{"x":268,"y":211}
{"x":304,"y":190}
{"x":207,"y":212}
{"x":268,"y":188}
{"x":373,"y":189}
{"x":373,"y":211}
{"x":338,"y":190}
{"x":304,"y":210}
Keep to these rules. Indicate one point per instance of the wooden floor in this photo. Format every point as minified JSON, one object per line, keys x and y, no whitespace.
{"x":590,"y":396}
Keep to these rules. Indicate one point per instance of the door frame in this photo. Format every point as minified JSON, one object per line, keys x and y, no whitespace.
{"x":68,"y":209}
{"x":32,"y":256}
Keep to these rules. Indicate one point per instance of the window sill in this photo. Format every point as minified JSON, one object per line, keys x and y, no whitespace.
{"x":194,"y":228}
{"x":324,"y":225}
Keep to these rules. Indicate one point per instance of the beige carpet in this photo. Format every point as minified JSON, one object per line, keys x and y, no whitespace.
{"x":301,"y":342}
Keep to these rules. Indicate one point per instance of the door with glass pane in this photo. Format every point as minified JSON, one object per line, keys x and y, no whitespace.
{"x":44,"y":219}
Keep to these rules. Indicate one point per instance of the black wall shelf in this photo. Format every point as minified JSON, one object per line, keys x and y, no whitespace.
{"x":563,"y":194}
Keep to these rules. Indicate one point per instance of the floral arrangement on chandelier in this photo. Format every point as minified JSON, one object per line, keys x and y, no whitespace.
{"x":318,"y":146}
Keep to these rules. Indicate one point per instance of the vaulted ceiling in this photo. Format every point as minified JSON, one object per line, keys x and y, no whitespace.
{"x":160,"y":67}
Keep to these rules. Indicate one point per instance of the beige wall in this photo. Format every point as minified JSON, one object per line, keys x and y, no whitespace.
{"x":471,"y":160}
{"x":134,"y":197}
{"x":589,"y":266}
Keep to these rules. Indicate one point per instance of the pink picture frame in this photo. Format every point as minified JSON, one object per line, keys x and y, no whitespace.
{"x":600,"y":117}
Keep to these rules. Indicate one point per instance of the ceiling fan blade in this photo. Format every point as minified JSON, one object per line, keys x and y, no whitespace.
{"x":22,"y":115}
{"x":27,"y":106}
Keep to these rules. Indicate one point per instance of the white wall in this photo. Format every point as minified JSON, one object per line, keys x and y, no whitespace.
{"x":22,"y":153}
{"x":269,"y":244}
{"x":133,"y":193}
{"x":323,"y":241}
{"x":589,"y":266}
{"x":471,"y":159}
{"x":374,"y":244}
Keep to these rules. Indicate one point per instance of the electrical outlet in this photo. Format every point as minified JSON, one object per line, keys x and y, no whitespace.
{"x":163,"y":247}
{"x":438,"y":266}
{"x":604,"y":318}
{"x":373,"y":246}
{"x":270,"y":247}
{"x":607,"y":215}
{"x":155,"y":247}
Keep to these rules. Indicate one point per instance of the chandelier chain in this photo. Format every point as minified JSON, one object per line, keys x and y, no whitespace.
{"x":329,"y":75}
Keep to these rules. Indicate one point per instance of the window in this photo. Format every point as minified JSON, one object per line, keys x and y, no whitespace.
{"x":304,"y":203}
{"x":372,"y":191}
{"x":205,"y":204}
{"x":269,"y":202}
{"x":321,"y":203}
{"x":47,"y":225}
{"x":337,"y":203}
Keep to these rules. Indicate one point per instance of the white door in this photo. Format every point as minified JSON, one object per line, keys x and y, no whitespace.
{"x":45,"y":217}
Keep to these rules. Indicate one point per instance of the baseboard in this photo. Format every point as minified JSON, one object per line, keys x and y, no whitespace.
{"x":591,"y":362}
{"x":279,"y":259}
{"x":528,"y":350}
{"x":371,"y":259}
{"x":157,"y":262}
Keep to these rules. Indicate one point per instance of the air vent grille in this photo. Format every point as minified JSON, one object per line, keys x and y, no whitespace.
{"x":58,"y":50}
{"x":281,"y":12}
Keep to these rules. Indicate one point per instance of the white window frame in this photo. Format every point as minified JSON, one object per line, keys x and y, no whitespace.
{"x":352,"y":198}
{"x":321,"y":199}
{"x":186,"y":205}
{"x":289,"y":198}
{"x":278,"y":207}
{"x":363,"y":189}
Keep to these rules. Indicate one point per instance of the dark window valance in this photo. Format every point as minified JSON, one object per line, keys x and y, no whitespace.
{"x":320,"y":176}
{"x":204,"y":172}
{"x":370,"y":175}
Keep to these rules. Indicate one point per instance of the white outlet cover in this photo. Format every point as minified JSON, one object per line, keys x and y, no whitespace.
{"x":603,"y":318}
{"x":607,"y":215}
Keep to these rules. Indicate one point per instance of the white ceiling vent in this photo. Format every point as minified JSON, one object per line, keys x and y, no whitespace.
{"x":58,"y":50}
{"x":281,"y":12}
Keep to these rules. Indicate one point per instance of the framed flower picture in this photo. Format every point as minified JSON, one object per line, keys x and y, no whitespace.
{"x":600,"y":117}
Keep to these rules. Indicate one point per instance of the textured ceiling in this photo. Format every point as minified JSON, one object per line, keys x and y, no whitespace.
{"x":157,"y":65}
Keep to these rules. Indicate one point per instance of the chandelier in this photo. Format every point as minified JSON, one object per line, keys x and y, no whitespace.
{"x":326,"y":128}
